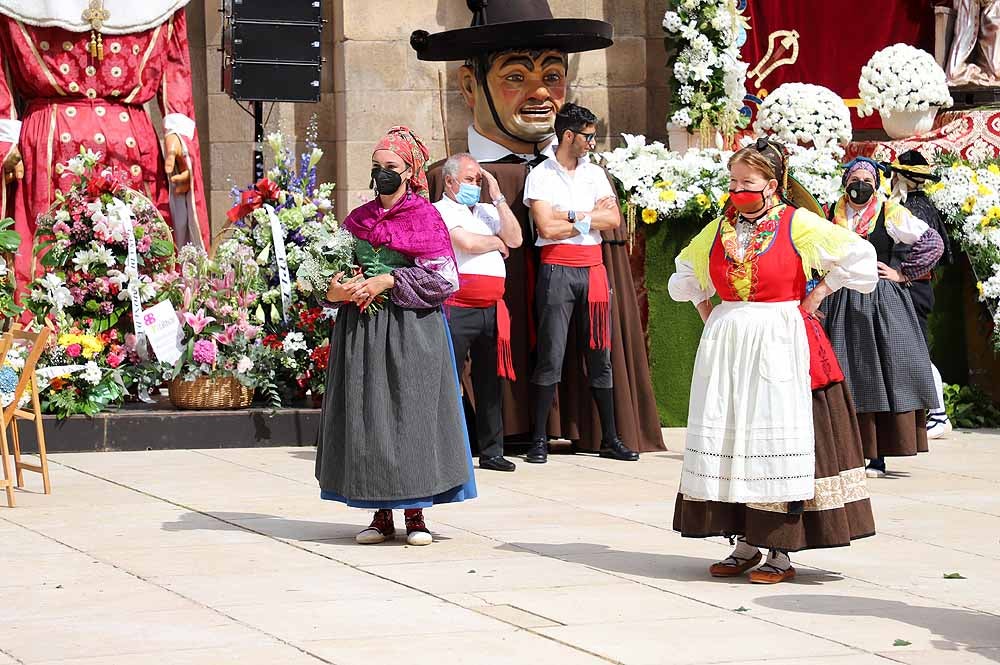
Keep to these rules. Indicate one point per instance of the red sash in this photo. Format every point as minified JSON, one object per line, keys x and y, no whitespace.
{"x":598,"y":289}
{"x":480,"y":292}
{"x":824,"y":370}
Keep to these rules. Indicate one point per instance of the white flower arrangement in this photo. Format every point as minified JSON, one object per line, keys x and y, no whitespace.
{"x":709,"y":77}
{"x":969,"y":198}
{"x":665,"y":185}
{"x":801,"y":113}
{"x":902,"y":78}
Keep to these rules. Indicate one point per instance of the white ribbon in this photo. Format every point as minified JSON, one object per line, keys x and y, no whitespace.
{"x":123,"y":213}
{"x":49,"y":373}
{"x":278,"y":240}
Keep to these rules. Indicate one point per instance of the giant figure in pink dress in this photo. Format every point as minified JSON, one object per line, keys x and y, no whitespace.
{"x":76,"y":73}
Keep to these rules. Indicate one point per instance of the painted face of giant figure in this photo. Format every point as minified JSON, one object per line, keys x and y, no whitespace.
{"x":527,"y":88}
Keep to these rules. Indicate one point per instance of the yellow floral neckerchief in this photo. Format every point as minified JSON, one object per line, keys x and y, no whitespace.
{"x":869,"y":215}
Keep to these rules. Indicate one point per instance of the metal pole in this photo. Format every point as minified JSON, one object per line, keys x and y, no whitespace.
{"x":258,"y":137}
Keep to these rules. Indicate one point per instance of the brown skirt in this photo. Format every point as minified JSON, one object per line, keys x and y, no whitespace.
{"x":893,"y":434}
{"x":839,"y":512}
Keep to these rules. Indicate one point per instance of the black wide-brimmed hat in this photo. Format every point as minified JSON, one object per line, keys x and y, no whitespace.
{"x":500,"y":25}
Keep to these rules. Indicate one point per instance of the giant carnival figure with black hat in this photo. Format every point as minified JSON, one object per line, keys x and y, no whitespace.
{"x":910,"y":173}
{"x":515,"y":80}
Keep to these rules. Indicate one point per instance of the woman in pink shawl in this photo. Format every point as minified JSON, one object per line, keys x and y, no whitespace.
{"x":393,"y":432}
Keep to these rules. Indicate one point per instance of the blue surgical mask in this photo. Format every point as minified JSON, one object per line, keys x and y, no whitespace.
{"x":468,"y":195}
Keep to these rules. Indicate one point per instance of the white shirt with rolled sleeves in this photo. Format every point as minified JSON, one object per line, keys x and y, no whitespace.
{"x":482,"y":219}
{"x":580,"y":190}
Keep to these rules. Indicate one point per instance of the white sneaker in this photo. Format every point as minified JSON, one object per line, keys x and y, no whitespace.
{"x":419,"y":538}
{"x":938,"y":428}
{"x":874,"y":473}
{"x":371,"y":536}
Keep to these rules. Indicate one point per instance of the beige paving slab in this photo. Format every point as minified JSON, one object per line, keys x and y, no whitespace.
{"x":493,"y":575}
{"x":856,"y":659}
{"x":324,"y":581}
{"x":696,"y":640}
{"x":405,"y":615}
{"x":122,"y":632}
{"x":611,"y":603}
{"x":479,"y":648}
{"x":874,"y":624}
{"x":265,"y":653}
{"x":945,"y":656}
{"x":73,"y":598}
{"x":265,"y":555}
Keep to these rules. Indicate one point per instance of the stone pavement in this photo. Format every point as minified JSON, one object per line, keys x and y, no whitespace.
{"x":228,"y":556}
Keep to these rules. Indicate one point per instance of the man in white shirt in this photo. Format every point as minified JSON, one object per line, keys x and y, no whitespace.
{"x":482,"y":235}
{"x":571,"y":202}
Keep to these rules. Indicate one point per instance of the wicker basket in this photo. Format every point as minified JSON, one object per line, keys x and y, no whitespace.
{"x":210,"y":393}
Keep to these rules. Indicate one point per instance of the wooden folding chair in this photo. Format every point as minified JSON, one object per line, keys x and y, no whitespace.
{"x":6,"y":341}
{"x":12,"y":412}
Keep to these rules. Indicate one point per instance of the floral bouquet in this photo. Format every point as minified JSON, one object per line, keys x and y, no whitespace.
{"x":709,"y":77}
{"x":804,"y":114}
{"x":10,"y":242}
{"x":287,"y":222}
{"x":902,"y":78}
{"x":82,"y":372}
{"x":303,"y":354}
{"x":108,"y":253}
{"x":215,"y":299}
{"x":968,"y":196}
{"x":666,"y":185}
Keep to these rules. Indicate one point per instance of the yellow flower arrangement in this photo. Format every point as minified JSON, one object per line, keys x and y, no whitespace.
{"x":90,"y":345}
{"x":979,"y":287}
{"x":723,"y":199}
{"x":985,"y":191}
{"x":649,"y":216}
{"x":994,"y":169}
{"x":702,"y":201}
{"x":969,"y":204}
{"x":933,"y":188}
{"x":668,"y":195}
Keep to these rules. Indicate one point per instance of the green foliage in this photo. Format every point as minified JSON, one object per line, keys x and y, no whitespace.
{"x":970,"y":407}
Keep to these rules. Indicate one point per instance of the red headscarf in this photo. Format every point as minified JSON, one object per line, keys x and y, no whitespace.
{"x":402,"y":141}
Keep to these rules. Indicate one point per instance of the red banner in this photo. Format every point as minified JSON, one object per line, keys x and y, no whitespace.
{"x":827,"y":42}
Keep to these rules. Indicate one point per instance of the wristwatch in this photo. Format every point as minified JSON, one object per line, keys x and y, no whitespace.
{"x":571,"y":215}
{"x":500,"y":199}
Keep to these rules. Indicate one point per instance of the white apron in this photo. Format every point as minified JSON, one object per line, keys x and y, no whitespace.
{"x":750,"y":422}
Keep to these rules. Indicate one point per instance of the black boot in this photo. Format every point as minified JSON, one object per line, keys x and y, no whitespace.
{"x":539,"y":451}
{"x":615,"y":449}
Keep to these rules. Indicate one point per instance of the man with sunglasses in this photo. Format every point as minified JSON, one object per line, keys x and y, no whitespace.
{"x":571,"y":203}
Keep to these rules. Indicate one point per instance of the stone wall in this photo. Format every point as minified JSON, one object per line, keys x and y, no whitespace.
{"x":372,"y":80}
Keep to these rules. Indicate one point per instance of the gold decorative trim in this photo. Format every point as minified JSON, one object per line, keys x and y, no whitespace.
{"x":142,"y":64}
{"x":831,"y":493}
{"x":39,"y":61}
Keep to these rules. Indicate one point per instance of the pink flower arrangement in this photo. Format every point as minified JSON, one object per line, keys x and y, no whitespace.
{"x":205,"y":351}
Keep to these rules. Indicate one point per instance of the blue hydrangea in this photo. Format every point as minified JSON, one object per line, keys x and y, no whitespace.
{"x":8,"y":380}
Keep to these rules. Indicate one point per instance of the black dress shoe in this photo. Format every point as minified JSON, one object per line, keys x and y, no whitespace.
{"x":538,"y":453}
{"x":497,"y":463}
{"x":615,"y":449}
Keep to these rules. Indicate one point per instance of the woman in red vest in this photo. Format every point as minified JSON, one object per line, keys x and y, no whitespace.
{"x":773,"y":455}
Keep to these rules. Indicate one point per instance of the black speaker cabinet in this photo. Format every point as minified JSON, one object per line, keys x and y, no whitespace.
{"x":301,"y":11}
{"x":272,"y":50}
{"x":272,"y":81}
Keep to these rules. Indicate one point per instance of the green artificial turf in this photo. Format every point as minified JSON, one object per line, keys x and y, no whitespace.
{"x":674,"y":328}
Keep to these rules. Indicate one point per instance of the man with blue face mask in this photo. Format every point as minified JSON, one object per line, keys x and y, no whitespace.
{"x":482,"y":235}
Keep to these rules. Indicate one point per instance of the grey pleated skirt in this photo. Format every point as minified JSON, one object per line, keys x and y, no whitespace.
{"x":881,"y":349}
{"x":393,"y":431}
